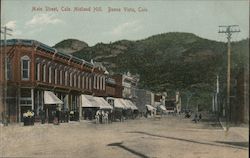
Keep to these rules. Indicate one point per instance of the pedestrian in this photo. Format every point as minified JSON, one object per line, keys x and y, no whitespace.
{"x":100,"y":117}
{"x":200,"y":117}
{"x":110,"y":116}
{"x":195,"y":118}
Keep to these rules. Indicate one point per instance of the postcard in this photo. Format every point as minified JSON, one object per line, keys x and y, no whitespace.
{"x":124,"y":79}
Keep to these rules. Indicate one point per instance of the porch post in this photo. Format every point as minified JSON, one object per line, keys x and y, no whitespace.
{"x":32,"y":98}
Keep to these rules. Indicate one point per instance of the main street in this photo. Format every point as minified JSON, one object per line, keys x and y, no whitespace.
{"x":168,"y":137}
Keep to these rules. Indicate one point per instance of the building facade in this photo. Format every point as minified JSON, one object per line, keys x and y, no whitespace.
{"x":33,"y":67}
{"x":144,"y":97}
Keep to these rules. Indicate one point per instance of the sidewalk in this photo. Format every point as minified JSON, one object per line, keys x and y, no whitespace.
{"x":242,"y":130}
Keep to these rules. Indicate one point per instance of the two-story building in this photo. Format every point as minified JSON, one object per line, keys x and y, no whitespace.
{"x":35,"y":71}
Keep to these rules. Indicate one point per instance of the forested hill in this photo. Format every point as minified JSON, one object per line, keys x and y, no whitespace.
{"x":169,"y":61}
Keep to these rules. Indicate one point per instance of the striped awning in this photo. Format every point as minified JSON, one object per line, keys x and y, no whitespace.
{"x":118,"y":103}
{"x":95,"y":102}
{"x":150,"y":107}
{"x":51,"y":98}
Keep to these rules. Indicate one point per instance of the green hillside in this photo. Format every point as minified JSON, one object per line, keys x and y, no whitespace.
{"x":170,"y":61}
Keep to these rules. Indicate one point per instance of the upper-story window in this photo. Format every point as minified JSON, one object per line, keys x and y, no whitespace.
{"x":25,"y":66}
{"x":61,"y":77}
{"x":74,"y":80}
{"x":90,"y":86}
{"x":9,"y":69}
{"x":83,"y":82}
{"x":66,"y":78}
{"x":44,"y":73}
{"x":38,"y":71}
{"x":50,"y":74}
{"x":87,"y":82}
{"x":101,"y":78}
{"x":104,"y":83}
{"x":70,"y":79}
{"x":98,"y":82}
{"x":56,"y":75}
{"x":94,"y":81}
{"x":79,"y":81}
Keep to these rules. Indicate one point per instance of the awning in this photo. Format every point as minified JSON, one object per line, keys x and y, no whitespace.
{"x":85,"y":102}
{"x":51,"y":98}
{"x":103,"y":104}
{"x":118,"y":103}
{"x":89,"y":101}
{"x":125,"y":104}
{"x":132,"y":105}
{"x":95,"y":102}
{"x":150,"y":107}
{"x":163,"y":107}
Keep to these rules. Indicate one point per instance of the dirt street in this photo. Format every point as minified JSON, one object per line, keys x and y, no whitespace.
{"x":168,"y":137}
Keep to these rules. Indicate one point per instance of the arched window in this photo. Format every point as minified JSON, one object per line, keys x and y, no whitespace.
{"x":74,"y":80}
{"x":101,"y":82}
{"x":38,"y":71}
{"x":9,"y":69}
{"x":44,"y":73}
{"x":70,"y":79}
{"x":83,"y":81}
{"x":87,"y":82}
{"x":56,"y":73}
{"x":90,"y":86}
{"x":79,"y":81}
{"x":66,"y":78}
{"x":61,"y":77}
{"x":50,"y":74}
{"x":98,"y":82}
{"x":25,"y":66}
{"x":104,"y":83}
{"x":94,"y":81}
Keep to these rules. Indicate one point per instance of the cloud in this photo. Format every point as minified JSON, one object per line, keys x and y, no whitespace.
{"x":131,"y":26}
{"x":11,"y":24}
{"x":42,"y":19}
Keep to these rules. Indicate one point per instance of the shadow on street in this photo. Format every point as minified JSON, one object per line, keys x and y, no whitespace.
{"x":232,"y":145}
{"x":128,"y":149}
{"x":241,"y":144}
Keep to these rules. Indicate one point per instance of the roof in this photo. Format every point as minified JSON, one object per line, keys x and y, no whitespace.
{"x":45,"y":47}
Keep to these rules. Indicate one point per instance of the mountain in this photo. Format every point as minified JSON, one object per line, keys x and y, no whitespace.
{"x":171,"y":61}
{"x":70,"y":45}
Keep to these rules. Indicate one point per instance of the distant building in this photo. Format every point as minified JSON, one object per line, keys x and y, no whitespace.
{"x":173,"y":104}
{"x":129,"y":83}
{"x":144,"y":97}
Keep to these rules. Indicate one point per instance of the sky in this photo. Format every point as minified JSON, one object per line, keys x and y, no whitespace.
{"x":53,"y":21}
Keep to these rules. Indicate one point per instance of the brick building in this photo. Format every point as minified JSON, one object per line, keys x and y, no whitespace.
{"x":34,"y":68}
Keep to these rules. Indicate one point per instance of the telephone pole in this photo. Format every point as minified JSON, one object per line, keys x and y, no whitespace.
{"x":5,"y":75}
{"x":228,"y":30}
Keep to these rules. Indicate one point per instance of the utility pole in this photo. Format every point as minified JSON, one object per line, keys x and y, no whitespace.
{"x":228,"y":30}
{"x":5,"y":75}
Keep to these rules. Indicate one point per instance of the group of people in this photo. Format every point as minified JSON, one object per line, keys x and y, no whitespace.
{"x":197,"y":118}
{"x":104,"y":117}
